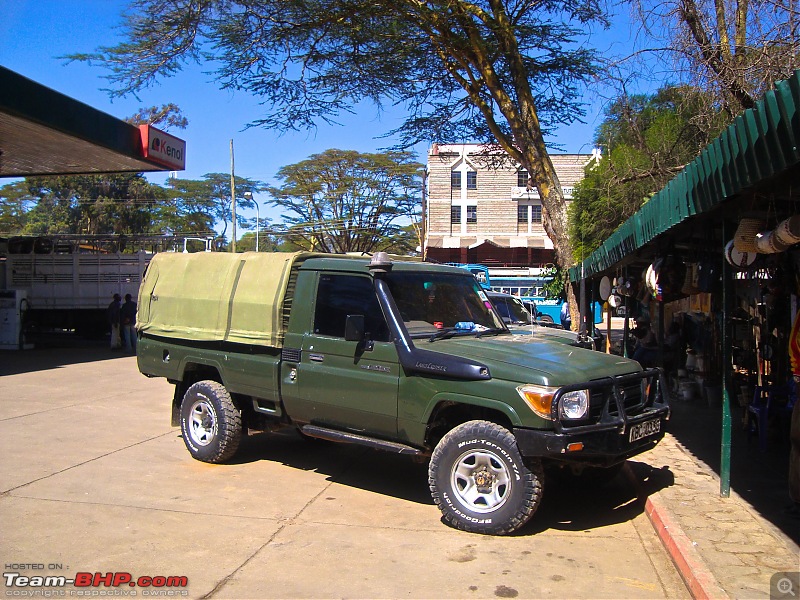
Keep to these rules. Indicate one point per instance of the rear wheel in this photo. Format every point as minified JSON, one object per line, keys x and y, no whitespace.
{"x":480,"y":482}
{"x":211,"y":424}
{"x":546,"y":319}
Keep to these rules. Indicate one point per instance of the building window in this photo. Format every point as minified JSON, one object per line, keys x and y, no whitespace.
{"x":472,"y":180}
{"x":522,"y":178}
{"x":536,"y":213}
{"x":522,"y":213}
{"x":455,"y":180}
{"x":455,"y":215}
{"x":472,"y":214}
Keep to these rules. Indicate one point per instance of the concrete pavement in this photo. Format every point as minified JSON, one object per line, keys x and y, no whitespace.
{"x":721,"y":546}
{"x":95,"y":480}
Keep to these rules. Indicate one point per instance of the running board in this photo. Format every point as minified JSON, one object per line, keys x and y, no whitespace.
{"x":335,"y":435}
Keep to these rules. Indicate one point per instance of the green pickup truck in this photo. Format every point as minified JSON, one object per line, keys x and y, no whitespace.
{"x":394,"y":354}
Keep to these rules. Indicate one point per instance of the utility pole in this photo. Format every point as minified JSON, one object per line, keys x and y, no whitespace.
{"x":233,"y":203}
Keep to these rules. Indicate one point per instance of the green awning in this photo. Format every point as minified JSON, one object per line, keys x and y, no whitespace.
{"x":762,"y":143}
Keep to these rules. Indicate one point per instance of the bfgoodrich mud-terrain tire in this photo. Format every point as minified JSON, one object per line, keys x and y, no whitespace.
{"x":479,"y":481}
{"x":210,"y":423}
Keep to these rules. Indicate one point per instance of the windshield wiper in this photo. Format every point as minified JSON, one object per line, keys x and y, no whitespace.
{"x":492,"y":331}
{"x":445,"y":334}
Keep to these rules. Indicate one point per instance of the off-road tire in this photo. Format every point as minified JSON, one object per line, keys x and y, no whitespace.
{"x":211,"y":425}
{"x":480,"y":482}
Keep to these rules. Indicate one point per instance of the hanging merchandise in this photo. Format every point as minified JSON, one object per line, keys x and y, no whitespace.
{"x":788,"y":231}
{"x":670,"y":278}
{"x":737,"y":258}
{"x":708,"y":274}
{"x":690,"y":281}
{"x":767,"y":242}
{"x":744,"y":240}
{"x":605,"y":288}
{"x":650,"y":281}
{"x":627,"y":286}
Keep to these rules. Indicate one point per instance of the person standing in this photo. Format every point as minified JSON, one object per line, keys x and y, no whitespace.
{"x":113,"y":320}
{"x":127,"y":317}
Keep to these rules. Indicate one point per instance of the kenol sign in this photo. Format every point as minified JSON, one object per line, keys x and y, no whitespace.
{"x":163,"y":148}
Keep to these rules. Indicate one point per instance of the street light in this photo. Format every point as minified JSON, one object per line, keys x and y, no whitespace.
{"x":249,"y":196}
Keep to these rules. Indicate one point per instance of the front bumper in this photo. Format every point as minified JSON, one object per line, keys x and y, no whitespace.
{"x":615,"y":429}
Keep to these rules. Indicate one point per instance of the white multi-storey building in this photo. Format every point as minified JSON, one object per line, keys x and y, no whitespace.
{"x":483,"y":210}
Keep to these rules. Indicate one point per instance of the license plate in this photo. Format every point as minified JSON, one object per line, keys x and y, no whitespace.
{"x":644,"y":429}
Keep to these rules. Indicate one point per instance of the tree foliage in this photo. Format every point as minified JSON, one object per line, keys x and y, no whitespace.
{"x":346,"y":201}
{"x":165,"y":116}
{"x":734,"y":49}
{"x":208,"y":200}
{"x":495,"y":71}
{"x":649,"y":139}
{"x":83,"y":204}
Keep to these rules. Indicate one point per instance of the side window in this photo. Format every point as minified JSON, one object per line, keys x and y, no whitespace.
{"x":342,"y":295}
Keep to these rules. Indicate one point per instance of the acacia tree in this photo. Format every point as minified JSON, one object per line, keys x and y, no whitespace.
{"x":737,"y":49}
{"x":208,"y":201}
{"x":494,"y":71}
{"x":346,"y":201}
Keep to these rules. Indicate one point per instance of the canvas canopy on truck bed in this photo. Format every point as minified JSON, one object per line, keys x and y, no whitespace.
{"x":216,"y":296}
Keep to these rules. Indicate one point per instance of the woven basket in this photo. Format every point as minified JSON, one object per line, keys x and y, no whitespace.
{"x":788,"y":231}
{"x":744,"y":240}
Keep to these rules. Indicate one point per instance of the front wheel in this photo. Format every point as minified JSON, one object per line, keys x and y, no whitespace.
{"x":211,"y":424}
{"x":479,"y":481}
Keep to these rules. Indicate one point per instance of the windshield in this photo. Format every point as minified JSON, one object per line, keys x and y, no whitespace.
{"x":433,"y":302}
{"x":512,"y":310}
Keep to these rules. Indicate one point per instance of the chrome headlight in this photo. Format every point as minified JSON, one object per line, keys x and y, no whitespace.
{"x":574,"y":405}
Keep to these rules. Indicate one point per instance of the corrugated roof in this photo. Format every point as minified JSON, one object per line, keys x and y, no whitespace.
{"x":763,"y":142}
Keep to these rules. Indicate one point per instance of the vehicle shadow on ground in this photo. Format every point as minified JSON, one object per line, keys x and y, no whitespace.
{"x":575,"y":505}
{"x":346,"y":464}
{"x":567,"y":505}
{"x":57,"y":354}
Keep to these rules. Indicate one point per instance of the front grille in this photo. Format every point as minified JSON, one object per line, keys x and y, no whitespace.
{"x":631,"y":400}
{"x":638,"y":393}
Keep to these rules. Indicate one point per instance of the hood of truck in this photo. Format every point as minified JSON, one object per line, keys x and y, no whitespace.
{"x":533,"y":359}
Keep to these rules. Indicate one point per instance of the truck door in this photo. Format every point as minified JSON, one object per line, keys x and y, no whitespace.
{"x":349,"y":385}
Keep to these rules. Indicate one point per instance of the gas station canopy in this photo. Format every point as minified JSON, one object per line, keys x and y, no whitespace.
{"x":44,"y":132}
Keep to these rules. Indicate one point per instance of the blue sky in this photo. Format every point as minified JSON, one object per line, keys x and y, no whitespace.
{"x":34,"y":33}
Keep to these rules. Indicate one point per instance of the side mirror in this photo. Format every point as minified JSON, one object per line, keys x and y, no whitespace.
{"x":354,"y":328}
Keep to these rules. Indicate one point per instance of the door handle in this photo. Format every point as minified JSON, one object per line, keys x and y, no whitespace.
{"x":316,"y":357}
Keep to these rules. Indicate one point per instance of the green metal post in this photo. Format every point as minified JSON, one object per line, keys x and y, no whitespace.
{"x":626,"y":326}
{"x":725,"y":456}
